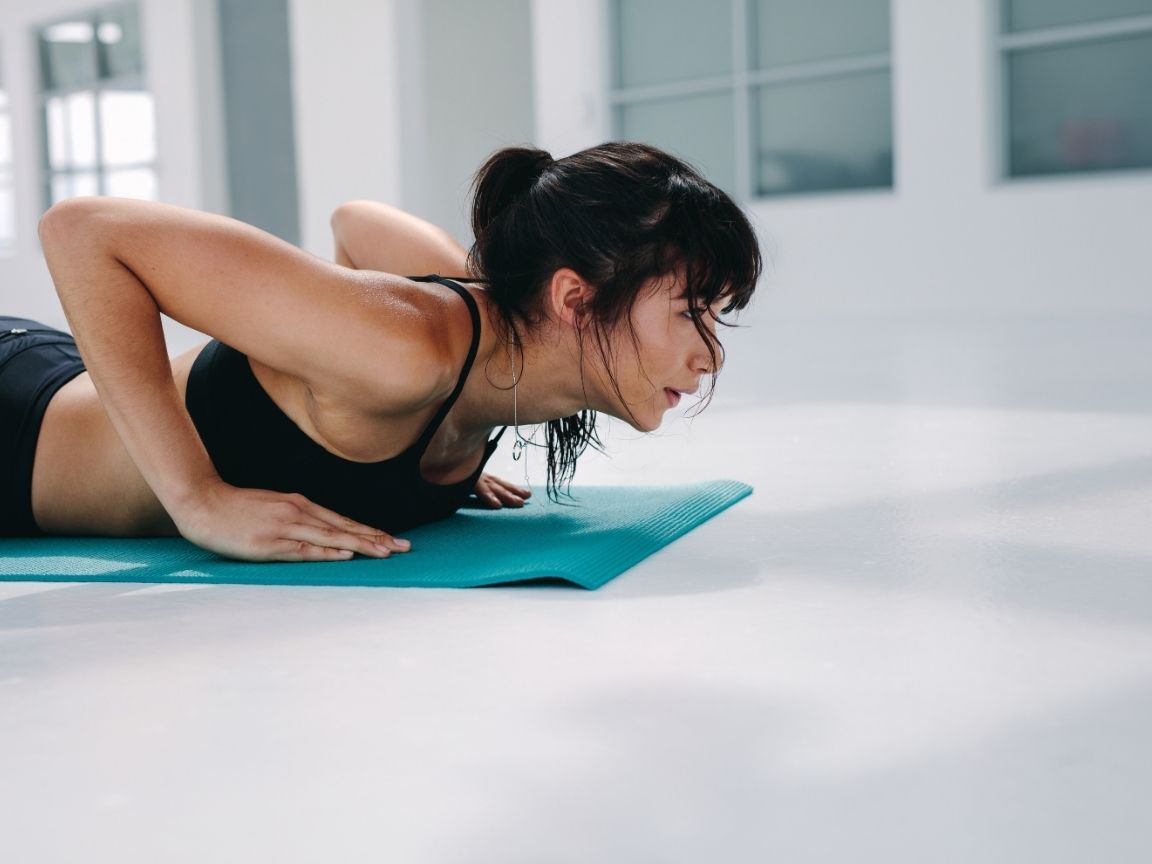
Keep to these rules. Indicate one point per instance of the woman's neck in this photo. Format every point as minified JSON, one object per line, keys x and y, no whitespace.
{"x":535,"y":380}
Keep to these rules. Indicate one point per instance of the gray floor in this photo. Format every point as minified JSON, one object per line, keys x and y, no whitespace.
{"x":927,"y":637}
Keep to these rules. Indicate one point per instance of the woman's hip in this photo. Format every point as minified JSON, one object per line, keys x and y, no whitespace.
{"x":35,"y":362}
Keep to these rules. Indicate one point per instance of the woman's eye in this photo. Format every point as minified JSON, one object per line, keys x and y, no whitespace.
{"x":700,"y":313}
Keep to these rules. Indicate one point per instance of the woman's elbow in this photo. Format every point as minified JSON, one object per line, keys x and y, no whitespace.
{"x":347,"y":212}
{"x":68,"y":220}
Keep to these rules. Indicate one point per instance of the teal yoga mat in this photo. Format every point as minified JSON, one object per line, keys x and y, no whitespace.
{"x":609,"y":529}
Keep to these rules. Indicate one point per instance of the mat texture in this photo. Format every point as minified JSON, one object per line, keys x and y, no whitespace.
{"x":610,"y":529}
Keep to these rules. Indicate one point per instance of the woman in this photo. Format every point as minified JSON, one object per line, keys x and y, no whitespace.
{"x":335,"y":407}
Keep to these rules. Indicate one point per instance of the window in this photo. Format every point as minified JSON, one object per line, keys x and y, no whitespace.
{"x":768,"y":97}
{"x":99,"y":124}
{"x":7,"y":202}
{"x":1076,"y":75}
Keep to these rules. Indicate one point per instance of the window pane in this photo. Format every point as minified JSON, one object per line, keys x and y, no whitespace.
{"x":78,"y":131}
{"x":699,"y":129}
{"x":1036,"y":14}
{"x":56,"y":137}
{"x":68,"y":55}
{"x":1080,"y":107}
{"x":137,"y":183}
{"x":72,"y":131}
{"x":830,"y":133}
{"x":81,"y":117}
{"x":802,"y":31}
{"x":70,"y":185}
{"x":127,"y":127}
{"x":118,"y":35}
{"x":671,"y":40}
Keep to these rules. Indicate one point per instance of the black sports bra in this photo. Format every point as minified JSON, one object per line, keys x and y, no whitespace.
{"x":253,"y":444}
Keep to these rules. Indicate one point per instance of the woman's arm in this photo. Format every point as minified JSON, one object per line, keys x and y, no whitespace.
{"x":118,"y":264}
{"x":374,"y":236}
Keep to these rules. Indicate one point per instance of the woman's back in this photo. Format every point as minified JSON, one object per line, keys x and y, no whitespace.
{"x":84,"y":480}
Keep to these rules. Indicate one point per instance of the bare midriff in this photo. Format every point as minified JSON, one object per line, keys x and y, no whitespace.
{"x":83,"y":480}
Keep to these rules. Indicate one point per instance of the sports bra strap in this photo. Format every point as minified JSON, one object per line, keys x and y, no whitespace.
{"x":430,"y":430}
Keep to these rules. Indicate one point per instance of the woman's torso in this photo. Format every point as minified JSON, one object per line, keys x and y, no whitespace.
{"x":84,"y":480}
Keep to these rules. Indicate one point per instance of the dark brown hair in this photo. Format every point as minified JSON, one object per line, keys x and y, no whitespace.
{"x":620,"y":215}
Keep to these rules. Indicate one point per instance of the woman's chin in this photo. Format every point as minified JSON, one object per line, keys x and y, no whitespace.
{"x":642,"y":421}
{"x":648,"y":425}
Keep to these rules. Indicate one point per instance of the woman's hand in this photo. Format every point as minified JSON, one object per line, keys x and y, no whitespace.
{"x":258,"y":525}
{"x":496,"y":493}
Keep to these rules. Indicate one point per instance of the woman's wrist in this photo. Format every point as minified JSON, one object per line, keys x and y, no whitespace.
{"x":189,"y":494}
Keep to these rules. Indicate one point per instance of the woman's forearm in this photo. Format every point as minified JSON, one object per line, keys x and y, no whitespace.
{"x":116,"y":323}
{"x":374,"y":236}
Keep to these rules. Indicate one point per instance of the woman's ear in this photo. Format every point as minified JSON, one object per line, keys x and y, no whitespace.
{"x":569,"y":296}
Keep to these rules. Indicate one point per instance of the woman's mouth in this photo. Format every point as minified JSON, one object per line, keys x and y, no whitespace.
{"x":673,"y":397}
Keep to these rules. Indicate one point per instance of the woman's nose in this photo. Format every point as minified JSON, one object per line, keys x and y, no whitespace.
{"x":704,"y":362}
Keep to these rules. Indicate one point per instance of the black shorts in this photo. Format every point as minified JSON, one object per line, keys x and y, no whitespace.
{"x":35,"y":362}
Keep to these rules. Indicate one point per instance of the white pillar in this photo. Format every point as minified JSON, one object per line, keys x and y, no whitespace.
{"x":569,"y":50}
{"x":346,"y":84}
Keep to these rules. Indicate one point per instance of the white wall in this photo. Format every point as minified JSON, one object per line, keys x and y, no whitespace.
{"x":951,"y":238}
{"x":570,"y":61}
{"x":346,"y":70}
{"x":475,"y":95}
{"x":402,"y":100}
{"x":179,"y":69}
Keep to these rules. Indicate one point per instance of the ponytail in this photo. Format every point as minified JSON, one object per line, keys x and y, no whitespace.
{"x":506,"y":176}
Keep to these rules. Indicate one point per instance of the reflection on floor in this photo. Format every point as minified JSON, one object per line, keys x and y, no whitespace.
{"x":926,"y":637}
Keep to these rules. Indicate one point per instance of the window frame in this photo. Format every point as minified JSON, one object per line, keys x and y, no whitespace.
{"x":1004,"y":43}
{"x":131,"y":81}
{"x":742,"y":84}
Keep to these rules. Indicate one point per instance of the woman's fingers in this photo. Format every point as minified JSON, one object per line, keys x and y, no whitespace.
{"x":352,"y":527}
{"x":321,"y":543}
{"x":334,"y":538}
{"x":513,"y":489}
{"x":301,"y":550}
{"x":501,"y":493}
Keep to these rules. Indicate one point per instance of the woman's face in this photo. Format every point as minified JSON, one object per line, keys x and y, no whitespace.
{"x":670,"y":357}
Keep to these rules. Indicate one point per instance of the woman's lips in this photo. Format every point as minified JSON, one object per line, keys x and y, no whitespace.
{"x":673,"y":397}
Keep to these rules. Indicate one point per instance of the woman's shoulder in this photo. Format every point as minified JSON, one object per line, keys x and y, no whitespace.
{"x":406,"y":356}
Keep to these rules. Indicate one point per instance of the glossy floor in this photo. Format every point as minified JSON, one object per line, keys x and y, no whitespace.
{"x":926,"y":637}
